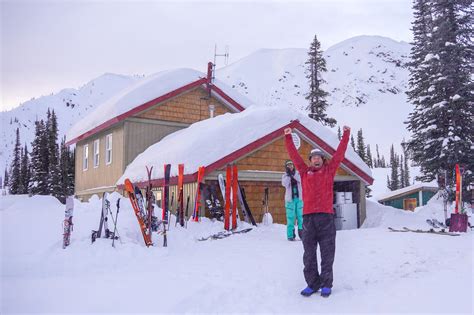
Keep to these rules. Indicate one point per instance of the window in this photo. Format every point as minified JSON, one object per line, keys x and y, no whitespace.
{"x":96,"y":153}
{"x":108,"y":149}
{"x":85,"y":157}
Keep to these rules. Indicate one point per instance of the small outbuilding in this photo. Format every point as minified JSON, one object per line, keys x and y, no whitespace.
{"x":410,"y":197}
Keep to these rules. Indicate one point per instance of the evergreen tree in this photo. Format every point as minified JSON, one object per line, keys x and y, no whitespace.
{"x":369,"y":157}
{"x":21,"y":188}
{"x":378,"y":162}
{"x":25,"y":171}
{"x":5,"y":179}
{"x":441,"y":88}
{"x":14,"y":180}
{"x":407,"y":172}
{"x":383,"y":163}
{"x":39,"y":160}
{"x":394,"y":180}
{"x":389,"y":184}
{"x":361,"y":146}
{"x":67,"y":171}
{"x":402,"y":172}
{"x":71,"y":171}
{"x":54,"y":178}
{"x":317,"y":96}
{"x":353,"y":142}
{"x":339,"y":135}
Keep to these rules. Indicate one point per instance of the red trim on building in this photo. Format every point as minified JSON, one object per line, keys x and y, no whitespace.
{"x":138,"y":109}
{"x":247,"y":149}
{"x":227,"y":98}
{"x":153,"y":102}
{"x":190,"y":178}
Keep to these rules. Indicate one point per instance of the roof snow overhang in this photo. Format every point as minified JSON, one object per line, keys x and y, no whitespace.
{"x":255,"y":145}
{"x":215,"y":90}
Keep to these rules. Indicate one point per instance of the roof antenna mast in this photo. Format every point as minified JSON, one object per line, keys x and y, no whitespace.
{"x":226,"y":59}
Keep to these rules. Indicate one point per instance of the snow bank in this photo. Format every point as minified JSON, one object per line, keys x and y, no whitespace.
{"x":210,"y":140}
{"x":380,"y":216}
{"x":260,"y":270}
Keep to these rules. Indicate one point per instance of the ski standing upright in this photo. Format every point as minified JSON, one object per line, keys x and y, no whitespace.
{"x":68,"y":225}
{"x":166,"y":191}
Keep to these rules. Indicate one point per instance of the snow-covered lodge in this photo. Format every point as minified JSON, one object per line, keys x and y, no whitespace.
{"x":185,"y":116}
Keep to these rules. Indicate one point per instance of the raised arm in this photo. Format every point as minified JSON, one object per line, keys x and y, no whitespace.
{"x":294,"y":156}
{"x":341,"y":150}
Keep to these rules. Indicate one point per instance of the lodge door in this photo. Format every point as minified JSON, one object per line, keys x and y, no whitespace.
{"x":409,"y":204}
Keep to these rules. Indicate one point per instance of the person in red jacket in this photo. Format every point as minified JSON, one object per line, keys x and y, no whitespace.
{"x":318,"y":214}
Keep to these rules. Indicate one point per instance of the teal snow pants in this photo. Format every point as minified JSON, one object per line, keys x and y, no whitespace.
{"x":294,"y":210}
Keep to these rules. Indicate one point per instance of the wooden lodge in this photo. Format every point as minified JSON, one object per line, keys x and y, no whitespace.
{"x":109,"y":138}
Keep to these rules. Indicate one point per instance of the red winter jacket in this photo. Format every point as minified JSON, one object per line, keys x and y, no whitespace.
{"x":317,"y":183}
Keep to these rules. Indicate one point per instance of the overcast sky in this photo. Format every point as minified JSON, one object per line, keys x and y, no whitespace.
{"x":50,"y":45}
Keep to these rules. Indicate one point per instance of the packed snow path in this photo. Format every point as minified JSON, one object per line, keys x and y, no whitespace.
{"x":375,"y":270}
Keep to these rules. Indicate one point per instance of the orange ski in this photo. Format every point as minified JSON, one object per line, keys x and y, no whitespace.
{"x":133,"y":200}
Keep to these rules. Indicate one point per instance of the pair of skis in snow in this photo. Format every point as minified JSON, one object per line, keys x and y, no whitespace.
{"x":144,"y":214}
{"x":224,"y":234}
{"x":233,"y":193}
{"x":430,"y":231}
{"x":103,"y":223}
{"x":147,"y":221}
{"x":436,"y":224}
{"x":212,"y":202}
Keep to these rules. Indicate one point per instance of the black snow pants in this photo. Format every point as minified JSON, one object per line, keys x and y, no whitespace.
{"x":319,"y":228}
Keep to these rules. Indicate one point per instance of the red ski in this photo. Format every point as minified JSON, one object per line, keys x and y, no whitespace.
{"x":228,"y":185}
{"x":235,"y":187}
{"x":197,"y":202}
{"x":180,"y":211}
{"x":141,"y":222}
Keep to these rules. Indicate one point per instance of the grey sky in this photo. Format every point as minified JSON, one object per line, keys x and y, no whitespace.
{"x":50,"y":45}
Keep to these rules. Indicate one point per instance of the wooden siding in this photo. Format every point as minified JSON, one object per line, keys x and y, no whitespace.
{"x":273,"y":156}
{"x":104,"y":175}
{"x":186,"y":108}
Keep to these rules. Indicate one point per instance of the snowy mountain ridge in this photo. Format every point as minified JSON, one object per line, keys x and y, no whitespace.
{"x":70,"y":105}
{"x":367,"y":78}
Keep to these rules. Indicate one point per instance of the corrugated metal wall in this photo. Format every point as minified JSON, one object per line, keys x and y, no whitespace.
{"x":139,"y":136}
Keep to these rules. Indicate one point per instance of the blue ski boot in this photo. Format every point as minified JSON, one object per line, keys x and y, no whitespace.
{"x":308,"y":291}
{"x":325,"y":292}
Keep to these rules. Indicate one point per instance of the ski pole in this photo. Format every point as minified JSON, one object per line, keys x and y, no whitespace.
{"x":171,"y":208}
{"x":187,"y":212}
{"x":115,"y":223}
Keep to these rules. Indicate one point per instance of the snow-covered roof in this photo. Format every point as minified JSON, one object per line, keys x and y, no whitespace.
{"x":210,"y":140}
{"x":146,"y":90}
{"x":407,"y":189}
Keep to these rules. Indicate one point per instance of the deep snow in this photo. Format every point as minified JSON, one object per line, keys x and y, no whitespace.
{"x":375,"y":270}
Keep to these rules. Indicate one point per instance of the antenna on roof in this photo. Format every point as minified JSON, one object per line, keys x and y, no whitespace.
{"x":225,"y":55}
